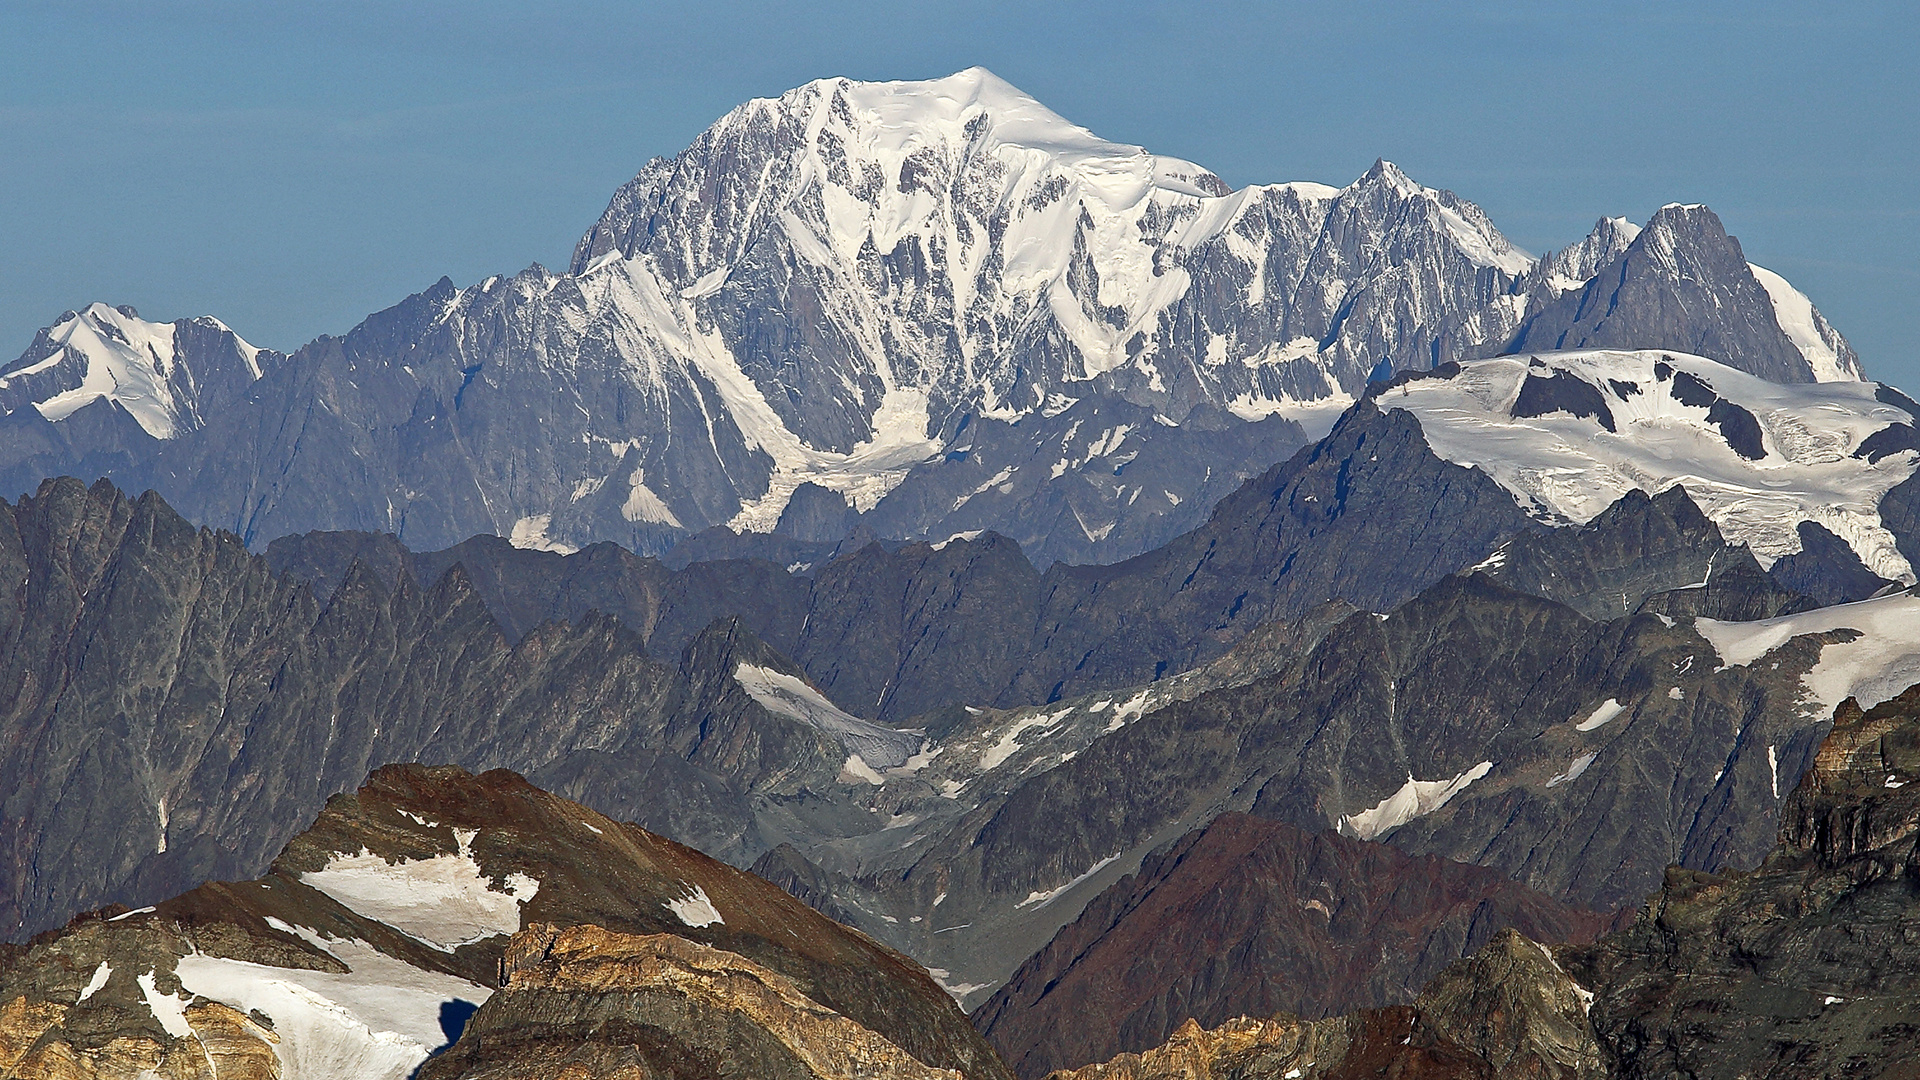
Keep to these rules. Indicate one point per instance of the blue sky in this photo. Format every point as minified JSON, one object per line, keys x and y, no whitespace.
{"x":292,"y":167}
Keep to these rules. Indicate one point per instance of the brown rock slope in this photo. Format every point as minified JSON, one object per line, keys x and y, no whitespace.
{"x":584,"y":1002}
{"x":1248,"y":917}
{"x":1509,"y":1012}
{"x":380,"y":928}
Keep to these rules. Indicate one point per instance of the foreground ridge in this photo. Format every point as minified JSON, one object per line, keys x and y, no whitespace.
{"x":1804,"y":966}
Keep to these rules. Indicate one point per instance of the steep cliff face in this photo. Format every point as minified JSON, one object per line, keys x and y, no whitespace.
{"x":381,"y":928}
{"x":1251,"y":918}
{"x":1682,"y":283}
{"x":1804,"y":965}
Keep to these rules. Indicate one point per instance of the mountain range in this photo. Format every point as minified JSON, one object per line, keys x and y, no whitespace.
{"x":920,"y":556}
{"x":937,"y":307}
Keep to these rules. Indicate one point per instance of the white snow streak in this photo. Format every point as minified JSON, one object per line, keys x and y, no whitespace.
{"x":1416,"y":798}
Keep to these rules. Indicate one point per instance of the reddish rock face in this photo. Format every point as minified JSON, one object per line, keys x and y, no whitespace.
{"x":1252,"y":917}
{"x":1510,"y":1011}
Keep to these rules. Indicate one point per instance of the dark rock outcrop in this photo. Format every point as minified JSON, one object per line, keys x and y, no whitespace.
{"x":1825,"y":569}
{"x":1803,"y":966}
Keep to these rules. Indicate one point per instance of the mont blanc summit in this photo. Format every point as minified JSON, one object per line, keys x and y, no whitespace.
{"x":940,"y":304}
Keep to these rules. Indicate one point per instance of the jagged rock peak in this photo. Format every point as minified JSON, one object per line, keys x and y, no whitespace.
{"x":1574,"y":265}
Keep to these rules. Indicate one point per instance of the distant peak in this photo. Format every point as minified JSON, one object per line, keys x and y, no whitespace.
{"x":1387,"y":174}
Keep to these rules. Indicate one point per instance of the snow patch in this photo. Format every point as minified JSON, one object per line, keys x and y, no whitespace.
{"x":380,"y":1021}
{"x":166,"y":1008}
{"x":643,"y":505}
{"x":444,"y":901}
{"x":1416,"y":798}
{"x":1874,"y":667}
{"x":1039,"y":899}
{"x":100,"y":976}
{"x":1601,"y":716}
{"x":878,"y":746}
{"x":1009,"y":742}
{"x":1806,"y":328}
{"x":530,"y":532}
{"x":1574,"y":770}
{"x":696,"y":909}
{"x":958,"y":990}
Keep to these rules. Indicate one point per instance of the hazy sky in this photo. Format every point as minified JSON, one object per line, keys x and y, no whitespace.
{"x":292,"y":167}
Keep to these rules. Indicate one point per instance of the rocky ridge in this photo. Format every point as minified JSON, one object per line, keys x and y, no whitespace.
{"x":583,"y":1002}
{"x":381,"y":928}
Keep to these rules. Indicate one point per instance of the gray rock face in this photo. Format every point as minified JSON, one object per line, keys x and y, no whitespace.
{"x":1682,"y":284}
{"x":897,"y":292}
{"x":176,"y":709}
{"x":1369,"y":516}
{"x":1473,"y":723}
{"x":1826,"y":570}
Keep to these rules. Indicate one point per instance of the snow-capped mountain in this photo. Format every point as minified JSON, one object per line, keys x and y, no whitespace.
{"x":1569,"y":433}
{"x":1682,"y":283}
{"x":168,"y":376}
{"x":897,"y":292}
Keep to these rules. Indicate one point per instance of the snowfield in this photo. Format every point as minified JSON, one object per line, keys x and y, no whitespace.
{"x":445,"y":901}
{"x":378,"y":1022}
{"x":1567,"y":468}
{"x":1879,"y":664}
